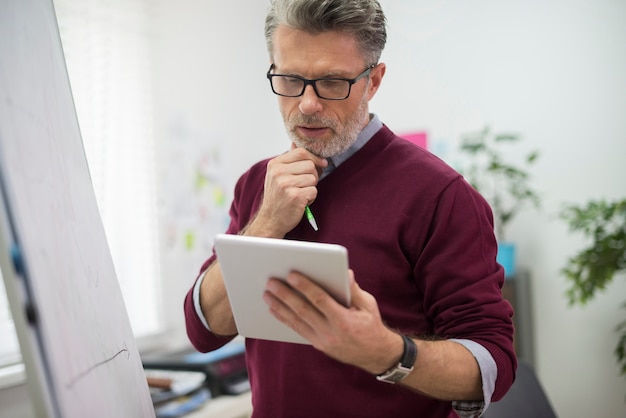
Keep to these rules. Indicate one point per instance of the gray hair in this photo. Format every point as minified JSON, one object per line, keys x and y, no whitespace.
{"x":362,"y":18}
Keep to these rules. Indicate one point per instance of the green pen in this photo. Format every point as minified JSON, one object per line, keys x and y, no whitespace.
{"x":309,"y":216}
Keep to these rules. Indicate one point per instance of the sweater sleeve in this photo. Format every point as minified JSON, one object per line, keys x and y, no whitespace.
{"x":200,"y":337}
{"x":462,"y":280}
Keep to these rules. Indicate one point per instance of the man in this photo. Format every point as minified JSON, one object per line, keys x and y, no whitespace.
{"x":427,"y":312}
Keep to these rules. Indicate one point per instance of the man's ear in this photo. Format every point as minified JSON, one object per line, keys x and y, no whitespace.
{"x":376,"y":78}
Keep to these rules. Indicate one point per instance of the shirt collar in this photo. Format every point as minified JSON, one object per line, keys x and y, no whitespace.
{"x":364,"y":136}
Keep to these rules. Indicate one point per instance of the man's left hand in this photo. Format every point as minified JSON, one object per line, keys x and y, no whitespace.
{"x":354,"y":335}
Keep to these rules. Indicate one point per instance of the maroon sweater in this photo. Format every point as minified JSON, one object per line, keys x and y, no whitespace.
{"x":419,"y":239}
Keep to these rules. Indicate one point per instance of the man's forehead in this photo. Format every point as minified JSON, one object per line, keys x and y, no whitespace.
{"x":330,"y":51}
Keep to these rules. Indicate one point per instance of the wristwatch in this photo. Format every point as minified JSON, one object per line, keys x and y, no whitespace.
{"x":405,"y":366}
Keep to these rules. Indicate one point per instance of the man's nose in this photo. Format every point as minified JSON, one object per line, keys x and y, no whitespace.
{"x":309,"y":101}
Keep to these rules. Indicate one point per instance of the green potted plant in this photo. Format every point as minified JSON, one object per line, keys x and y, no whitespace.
{"x":505,"y":185}
{"x":594,"y":267}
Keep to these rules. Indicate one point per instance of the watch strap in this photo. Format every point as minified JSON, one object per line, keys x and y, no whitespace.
{"x":405,"y":366}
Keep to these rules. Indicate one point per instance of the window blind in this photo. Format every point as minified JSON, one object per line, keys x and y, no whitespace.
{"x":107,"y":46}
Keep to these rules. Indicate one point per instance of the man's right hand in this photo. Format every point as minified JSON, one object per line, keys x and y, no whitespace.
{"x":290,"y":185}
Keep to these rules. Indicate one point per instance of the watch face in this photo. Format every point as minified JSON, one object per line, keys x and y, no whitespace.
{"x":395,"y":375}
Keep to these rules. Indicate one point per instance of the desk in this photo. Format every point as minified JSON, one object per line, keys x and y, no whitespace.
{"x":226,"y":406}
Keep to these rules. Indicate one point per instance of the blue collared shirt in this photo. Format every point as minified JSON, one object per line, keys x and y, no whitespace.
{"x":364,"y":136}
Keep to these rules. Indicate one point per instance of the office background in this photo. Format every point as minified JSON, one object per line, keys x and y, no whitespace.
{"x":552,"y":71}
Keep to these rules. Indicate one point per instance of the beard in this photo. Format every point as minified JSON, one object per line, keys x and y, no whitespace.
{"x":343,"y":135}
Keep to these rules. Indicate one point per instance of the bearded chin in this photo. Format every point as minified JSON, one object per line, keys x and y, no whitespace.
{"x":338,"y":143}
{"x":343,"y":135}
{"x":324,"y":149}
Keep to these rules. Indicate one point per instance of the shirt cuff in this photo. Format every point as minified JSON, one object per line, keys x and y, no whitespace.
{"x":196,"y":301}
{"x":488,"y":372}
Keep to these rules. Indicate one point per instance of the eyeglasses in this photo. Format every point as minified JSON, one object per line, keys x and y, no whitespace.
{"x":328,"y":88}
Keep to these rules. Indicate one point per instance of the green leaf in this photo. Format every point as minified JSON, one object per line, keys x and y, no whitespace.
{"x":506,"y":186}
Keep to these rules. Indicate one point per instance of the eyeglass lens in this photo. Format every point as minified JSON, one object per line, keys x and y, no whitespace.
{"x":326,"y":88}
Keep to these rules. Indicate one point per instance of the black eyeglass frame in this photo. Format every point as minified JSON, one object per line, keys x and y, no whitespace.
{"x":312,"y":82}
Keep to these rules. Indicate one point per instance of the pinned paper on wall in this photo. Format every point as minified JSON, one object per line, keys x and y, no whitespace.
{"x":419,"y":138}
{"x":194,"y":179}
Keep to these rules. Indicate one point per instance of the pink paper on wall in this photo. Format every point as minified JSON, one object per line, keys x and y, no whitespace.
{"x":418,"y":138}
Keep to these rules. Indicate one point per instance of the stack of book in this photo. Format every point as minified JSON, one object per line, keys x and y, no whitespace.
{"x":176,"y":393}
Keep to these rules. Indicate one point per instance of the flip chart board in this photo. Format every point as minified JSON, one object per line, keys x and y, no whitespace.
{"x":77,"y":343}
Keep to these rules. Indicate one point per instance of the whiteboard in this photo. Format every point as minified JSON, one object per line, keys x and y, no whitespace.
{"x":77,"y":343}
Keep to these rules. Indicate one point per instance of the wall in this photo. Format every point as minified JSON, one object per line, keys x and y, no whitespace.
{"x":216,"y":118}
{"x":15,"y":402}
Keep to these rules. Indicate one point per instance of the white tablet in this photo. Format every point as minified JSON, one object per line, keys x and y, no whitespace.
{"x":248,"y":262}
